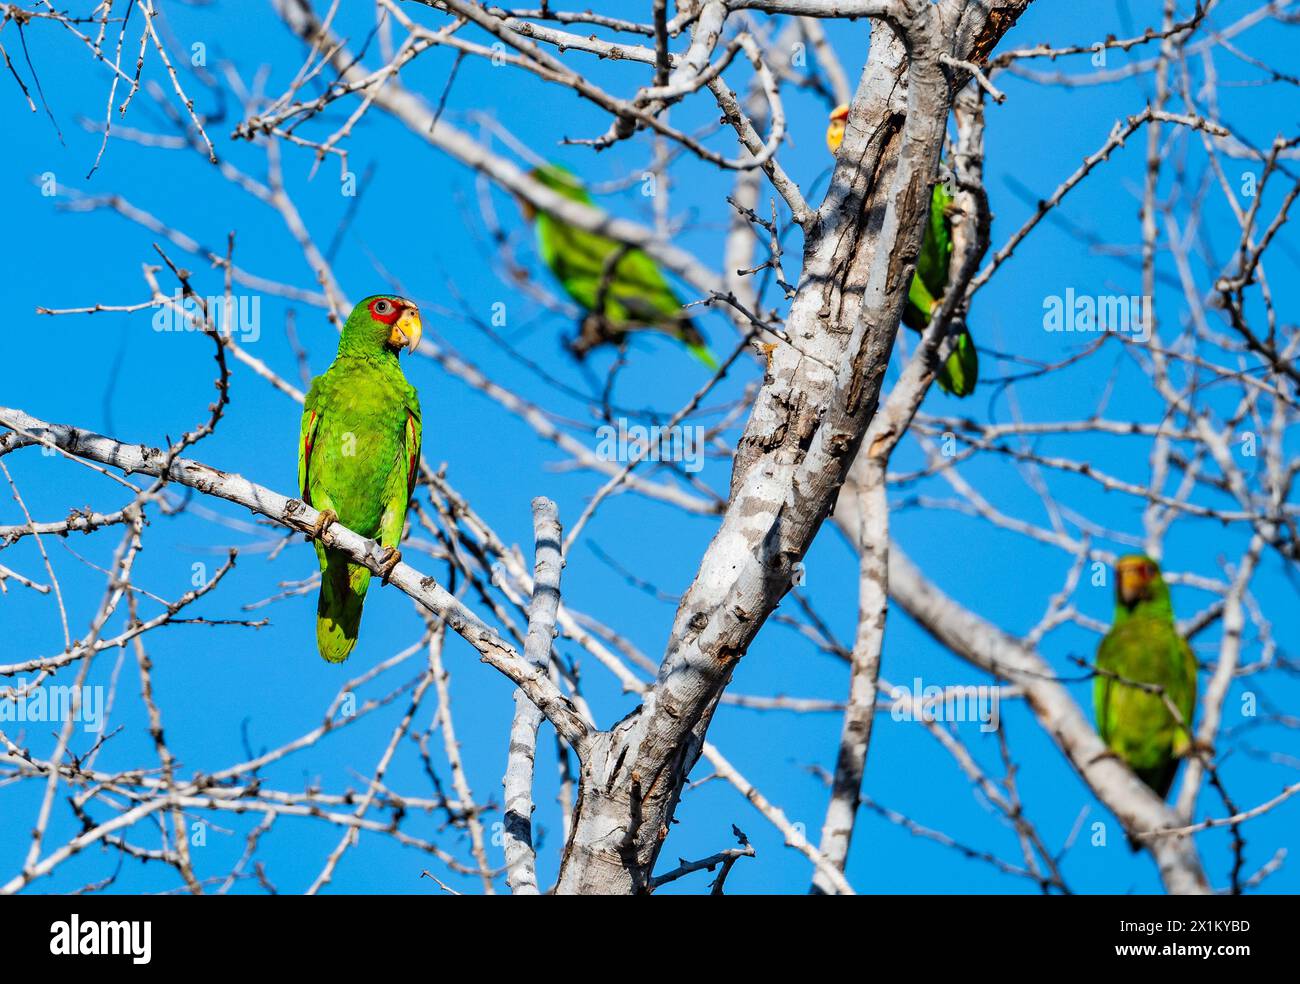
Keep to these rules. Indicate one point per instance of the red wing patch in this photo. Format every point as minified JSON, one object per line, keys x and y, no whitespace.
{"x":413,"y":455}
{"x":307,"y":445}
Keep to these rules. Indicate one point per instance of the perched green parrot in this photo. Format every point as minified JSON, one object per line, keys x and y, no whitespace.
{"x":960,"y":370}
{"x":1143,"y":646}
{"x":598,"y":272}
{"x":358,"y":456}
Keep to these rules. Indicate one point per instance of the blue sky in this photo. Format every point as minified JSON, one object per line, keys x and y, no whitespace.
{"x":418,"y":229}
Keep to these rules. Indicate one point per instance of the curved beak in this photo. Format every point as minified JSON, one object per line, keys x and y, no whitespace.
{"x":835,"y":129}
{"x":1132,"y":585}
{"x":407,"y":331}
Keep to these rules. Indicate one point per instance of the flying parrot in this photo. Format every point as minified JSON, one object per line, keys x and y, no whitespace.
{"x":358,"y":456}
{"x":960,"y":370}
{"x":597,"y":272}
{"x":1143,"y":646}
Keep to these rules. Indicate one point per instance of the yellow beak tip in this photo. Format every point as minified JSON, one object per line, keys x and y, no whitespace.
{"x":407,"y":332}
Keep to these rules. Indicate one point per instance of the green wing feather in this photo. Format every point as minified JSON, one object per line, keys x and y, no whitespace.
{"x":962,"y":367}
{"x":636,"y":293}
{"x":960,"y":370}
{"x":399,"y":493}
{"x":1138,"y":725}
{"x":306,"y":438}
{"x":936,"y":248}
{"x":598,"y":272}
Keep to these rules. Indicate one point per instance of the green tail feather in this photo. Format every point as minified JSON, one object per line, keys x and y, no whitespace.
{"x":702,"y":353}
{"x":1161,"y":779}
{"x":338,"y":611}
{"x":962,"y":368}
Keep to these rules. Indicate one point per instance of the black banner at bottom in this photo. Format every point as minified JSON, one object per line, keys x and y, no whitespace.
{"x":180,"y":935}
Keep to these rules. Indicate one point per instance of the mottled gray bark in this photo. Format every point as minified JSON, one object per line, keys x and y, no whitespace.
{"x":521,"y":856}
{"x":819,"y":395}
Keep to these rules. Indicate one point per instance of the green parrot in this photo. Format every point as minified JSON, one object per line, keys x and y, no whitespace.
{"x":597,"y":271}
{"x":960,"y":370}
{"x":358,"y":456}
{"x":1143,"y":646}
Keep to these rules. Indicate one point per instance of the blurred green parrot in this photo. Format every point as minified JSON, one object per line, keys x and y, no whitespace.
{"x":358,"y":454}
{"x":960,"y":370}
{"x":1143,"y":646}
{"x":597,"y":272}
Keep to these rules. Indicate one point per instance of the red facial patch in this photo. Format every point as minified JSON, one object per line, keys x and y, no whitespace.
{"x":391,"y":315}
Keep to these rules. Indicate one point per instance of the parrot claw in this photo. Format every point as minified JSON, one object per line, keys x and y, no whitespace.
{"x":326,"y":519}
{"x":392,"y":557}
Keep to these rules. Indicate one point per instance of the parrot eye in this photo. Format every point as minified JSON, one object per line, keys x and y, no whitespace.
{"x":383,"y":306}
